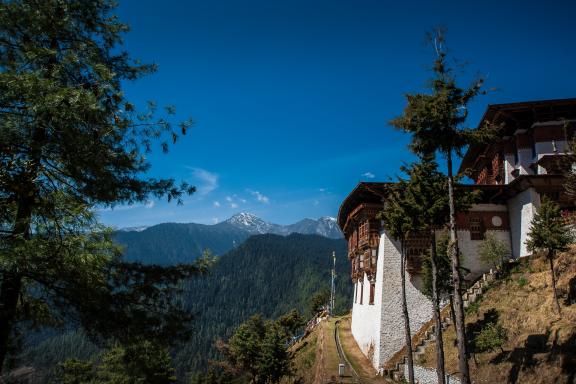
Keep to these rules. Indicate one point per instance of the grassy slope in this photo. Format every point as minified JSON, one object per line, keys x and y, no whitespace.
{"x":541,"y":347}
{"x":316,"y":358}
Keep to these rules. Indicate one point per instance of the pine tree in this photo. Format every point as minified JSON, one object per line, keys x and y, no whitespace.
{"x":549,"y":234}
{"x":399,"y":223}
{"x":426,"y":198}
{"x":140,"y":362}
{"x":436,"y":123}
{"x":70,"y":141}
{"x":258,"y":350}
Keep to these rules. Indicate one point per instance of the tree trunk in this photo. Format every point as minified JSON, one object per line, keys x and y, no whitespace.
{"x":436,"y":311}
{"x":409,"y":357}
{"x":456,"y":279}
{"x":12,"y":280}
{"x":551,"y":260}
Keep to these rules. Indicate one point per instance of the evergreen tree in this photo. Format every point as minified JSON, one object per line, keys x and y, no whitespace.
{"x":549,"y":234}
{"x":69,"y":140}
{"x":318,"y":302}
{"x":399,"y":223}
{"x":436,"y":123}
{"x":258,"y":350}
{"x":140,"y":362}
{"x":427,"y":201}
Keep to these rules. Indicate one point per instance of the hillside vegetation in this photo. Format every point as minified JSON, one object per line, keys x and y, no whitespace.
{"x":539,"y":346}
{"x":268,"y":274}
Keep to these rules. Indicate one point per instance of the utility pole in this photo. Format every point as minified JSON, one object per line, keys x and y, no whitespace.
{"x":333,"y":288}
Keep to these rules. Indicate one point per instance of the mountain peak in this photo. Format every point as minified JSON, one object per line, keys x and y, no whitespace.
{"x":250,"y":222}
{"x":324,"y":226}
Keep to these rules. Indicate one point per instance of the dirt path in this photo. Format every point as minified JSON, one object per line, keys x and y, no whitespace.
{"x":363,"y":367}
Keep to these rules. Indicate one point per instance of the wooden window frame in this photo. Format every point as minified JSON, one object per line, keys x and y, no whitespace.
{"x":372,"y":293}
{"x":477,"y":231}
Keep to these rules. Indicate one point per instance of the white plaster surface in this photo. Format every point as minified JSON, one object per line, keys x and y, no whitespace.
{"x":365,"y":323}
{"x":509,"y":166}
{"x":469,"y":249}
{"x":524,"y":161}
{"x":392,"y":337}
{"x":423,"y":375}
{"x":550,"y":148}
{"x":522,"y":208}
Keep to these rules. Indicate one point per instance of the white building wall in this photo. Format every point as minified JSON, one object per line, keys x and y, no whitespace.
{"x":469,"y":249}
{"x":509,"y":166}
{"x":522,"y":208}
{"x":365,"y":323}
{"x":550,"y":148}
{"x":524,"y":161}
{"x":392,"y":337}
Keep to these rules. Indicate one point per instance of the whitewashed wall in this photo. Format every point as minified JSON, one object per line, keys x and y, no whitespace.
{"x":522,"y":208}
{"x":469,"y":249}
{"x":366,"y":318}
{"x":392,"y":337}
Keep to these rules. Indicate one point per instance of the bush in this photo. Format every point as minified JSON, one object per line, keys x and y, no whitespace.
{"x":492,"y":336}
{"x":493,"y":252}
{"x":522,"y":281}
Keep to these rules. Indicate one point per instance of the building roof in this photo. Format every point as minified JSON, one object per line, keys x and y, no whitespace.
{"x":375,"y":192}
{"x":364,"y":193}
{"x":513,"y":116}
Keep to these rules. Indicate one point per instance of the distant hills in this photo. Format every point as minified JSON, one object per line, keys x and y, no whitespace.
{"x":172,"y":243}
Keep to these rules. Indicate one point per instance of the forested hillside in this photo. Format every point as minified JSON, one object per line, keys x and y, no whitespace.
{"x":268,"y":274}
{"x":172,"y":243}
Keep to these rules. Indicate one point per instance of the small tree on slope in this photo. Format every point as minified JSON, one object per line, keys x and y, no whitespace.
{"x":493,"y":251}
{"x":549,"y":234}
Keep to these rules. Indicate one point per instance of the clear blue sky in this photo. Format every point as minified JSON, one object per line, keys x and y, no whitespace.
{"x":291,"y":99}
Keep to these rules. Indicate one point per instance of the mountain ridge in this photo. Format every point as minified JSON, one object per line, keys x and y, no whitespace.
{"x":325,"y":226}
{"x":173,"y":243}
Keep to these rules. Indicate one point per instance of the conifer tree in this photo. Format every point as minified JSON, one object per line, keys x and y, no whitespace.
{"x":258,"y":350}
{"x":427,"y":202}
{"x":399,"y":222}
{"x":70,"y":141}
{"x":435,"y":122}
{"x":140,"y":362}
{"x":549,"y":234}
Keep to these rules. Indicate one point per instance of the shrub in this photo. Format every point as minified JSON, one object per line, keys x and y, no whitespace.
{"x":492,"y":336}
{"x":522,"y":281}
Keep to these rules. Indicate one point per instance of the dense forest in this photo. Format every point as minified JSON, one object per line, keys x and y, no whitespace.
{"x":268,"y":274}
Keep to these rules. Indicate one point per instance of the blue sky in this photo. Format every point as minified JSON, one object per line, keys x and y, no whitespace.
{"x":291,"y":99}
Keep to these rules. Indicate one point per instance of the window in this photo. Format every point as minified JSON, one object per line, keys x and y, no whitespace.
{"x":372,"y":291}
{"x":476,"y":229}
{"x":361,"y":293}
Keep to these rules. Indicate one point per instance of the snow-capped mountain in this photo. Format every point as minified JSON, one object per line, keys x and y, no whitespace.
{"x":133,"y":229}
{"x":324,"y":226}
{"x":252,"y":223}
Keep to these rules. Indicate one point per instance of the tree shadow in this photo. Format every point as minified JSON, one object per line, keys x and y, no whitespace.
{"x":523,"y":357}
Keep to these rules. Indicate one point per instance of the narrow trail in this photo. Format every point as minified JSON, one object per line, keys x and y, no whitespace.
{"x":342,"y":355}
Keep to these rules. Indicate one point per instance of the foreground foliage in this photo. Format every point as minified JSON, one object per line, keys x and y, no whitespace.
{"x":69,"y":142}
{"x":141,"y":362}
